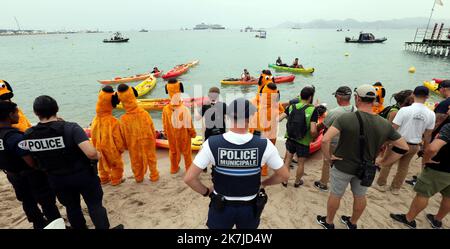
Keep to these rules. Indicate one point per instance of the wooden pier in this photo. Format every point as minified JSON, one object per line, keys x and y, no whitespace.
{"x":435,"y":43}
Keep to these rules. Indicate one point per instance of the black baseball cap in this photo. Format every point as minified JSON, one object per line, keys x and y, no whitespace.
{"x":240,"y":109}
{"x":343,"y":91}
{"x":444,"y":84}
{"x":421,"y":91}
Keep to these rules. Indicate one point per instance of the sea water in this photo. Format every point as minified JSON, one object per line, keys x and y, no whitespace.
{"x":68,"y":66}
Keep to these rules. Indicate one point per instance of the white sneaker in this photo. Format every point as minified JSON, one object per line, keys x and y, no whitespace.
{"x":395,"y":191}
{"x":383,"y":188}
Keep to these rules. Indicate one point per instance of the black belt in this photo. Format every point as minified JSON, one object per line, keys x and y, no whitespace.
{"x":412,"y":144}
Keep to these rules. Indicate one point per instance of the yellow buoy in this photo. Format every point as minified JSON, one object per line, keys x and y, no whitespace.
{"x":412,"y":70}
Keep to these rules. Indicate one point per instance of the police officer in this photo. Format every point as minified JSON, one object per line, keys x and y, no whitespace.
{"x":64,"y":152}
{"x":31,"y":186}
{"x":237,"y":156}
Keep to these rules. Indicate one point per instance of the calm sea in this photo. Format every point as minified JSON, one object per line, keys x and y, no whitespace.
{"x":67,"y":67}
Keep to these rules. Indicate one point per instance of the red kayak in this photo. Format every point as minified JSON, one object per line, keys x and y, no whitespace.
{"x":438,"y":81}
{"x":175,"y":72}
{"x":277,"y":79}
{"x":316,"y":145}
{"x":179,"y":70}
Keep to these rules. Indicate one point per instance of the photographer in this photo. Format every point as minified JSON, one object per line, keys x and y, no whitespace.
{"x":63,"y":151}
{"x":361,"y":135}
{"x":237,"y":156}
{"x":214,"y":112}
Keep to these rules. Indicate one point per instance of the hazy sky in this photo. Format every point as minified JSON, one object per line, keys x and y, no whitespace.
{"x":174,"y":14}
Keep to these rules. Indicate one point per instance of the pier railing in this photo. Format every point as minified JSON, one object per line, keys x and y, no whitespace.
{"x":434,"y":41}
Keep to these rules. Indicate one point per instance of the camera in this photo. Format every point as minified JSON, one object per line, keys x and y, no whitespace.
{"x":366,"y":173}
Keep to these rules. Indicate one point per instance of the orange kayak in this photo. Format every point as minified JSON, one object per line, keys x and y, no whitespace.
{"x":136,"y":77}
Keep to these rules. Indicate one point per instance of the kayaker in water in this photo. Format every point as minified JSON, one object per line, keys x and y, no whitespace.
{"x":280,"y":63}
{"x":296,"y":64}
{"x":155,"y":70}
{"x":246,"y":75}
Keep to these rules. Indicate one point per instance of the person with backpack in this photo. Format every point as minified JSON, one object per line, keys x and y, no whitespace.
{"x":30,"y":185}
{"x":343,"y":96}
{"x":361,"y":134}
{"x":402,"y":99}
{"x":301,"y":130}
{"x":415,"y":123}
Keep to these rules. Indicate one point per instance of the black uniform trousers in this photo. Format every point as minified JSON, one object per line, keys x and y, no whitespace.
{"x":69,"y":188}
{"x":32,"y":188}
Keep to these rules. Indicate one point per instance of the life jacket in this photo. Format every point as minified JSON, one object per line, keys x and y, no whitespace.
{"x":52,"y":152}
{"x":8,"y":161}
{"x":237,"y":168}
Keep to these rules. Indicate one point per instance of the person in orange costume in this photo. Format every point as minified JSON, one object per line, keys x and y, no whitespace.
{"x":381,"y":93}
{"x":264,"y":79}
{"x":107,"y":138}
{"x":6,"y":94}
{"x":178,"y":126}
{"x":138,"y":133}
{"x":265,"y":122}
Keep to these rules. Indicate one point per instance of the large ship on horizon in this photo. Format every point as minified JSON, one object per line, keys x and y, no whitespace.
{"x":203,"y":26}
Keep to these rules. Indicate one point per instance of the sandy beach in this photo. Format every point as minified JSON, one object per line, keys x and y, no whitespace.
{"x":169,"y":203}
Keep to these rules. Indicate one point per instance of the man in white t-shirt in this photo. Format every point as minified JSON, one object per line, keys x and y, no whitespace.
{"x":236,"y":196}
{"x":415,"y":123}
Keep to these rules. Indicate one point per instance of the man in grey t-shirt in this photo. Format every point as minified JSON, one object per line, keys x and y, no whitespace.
{"x":347,"y":160}
{"x":343,"y":95}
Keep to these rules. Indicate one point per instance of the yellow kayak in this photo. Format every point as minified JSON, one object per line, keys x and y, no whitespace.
{"x":196,"y":143}
{"x":146,"y":86}
{"x":432,"y":86}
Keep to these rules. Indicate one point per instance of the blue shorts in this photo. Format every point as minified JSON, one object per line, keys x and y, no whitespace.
{"x":241,"y":216}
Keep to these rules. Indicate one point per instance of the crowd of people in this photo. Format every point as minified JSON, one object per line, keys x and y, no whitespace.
{"x":55,"y":159}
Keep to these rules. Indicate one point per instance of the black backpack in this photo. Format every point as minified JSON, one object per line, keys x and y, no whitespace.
{"x":296,"y":126}
{"x":385,"y":112}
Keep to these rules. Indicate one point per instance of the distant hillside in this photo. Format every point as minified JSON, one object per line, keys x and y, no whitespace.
{"x":406,"y":23}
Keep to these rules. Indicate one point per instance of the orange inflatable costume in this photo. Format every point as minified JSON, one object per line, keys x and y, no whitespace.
{"x":265,"y":121}
{"x":107,"y":138}
{"x":138,"y":133}
{"x":6,"y":94}
{"x":264,"y":79}
{"x":178,"y":126}
{"x":381,"y":93}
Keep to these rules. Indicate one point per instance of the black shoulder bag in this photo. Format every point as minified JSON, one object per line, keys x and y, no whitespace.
{"x":367,"y":170}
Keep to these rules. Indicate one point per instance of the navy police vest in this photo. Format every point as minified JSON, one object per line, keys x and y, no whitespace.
{"x":8,"y":161}
{"x":52,"y":152}
{"x":237,"y":170}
